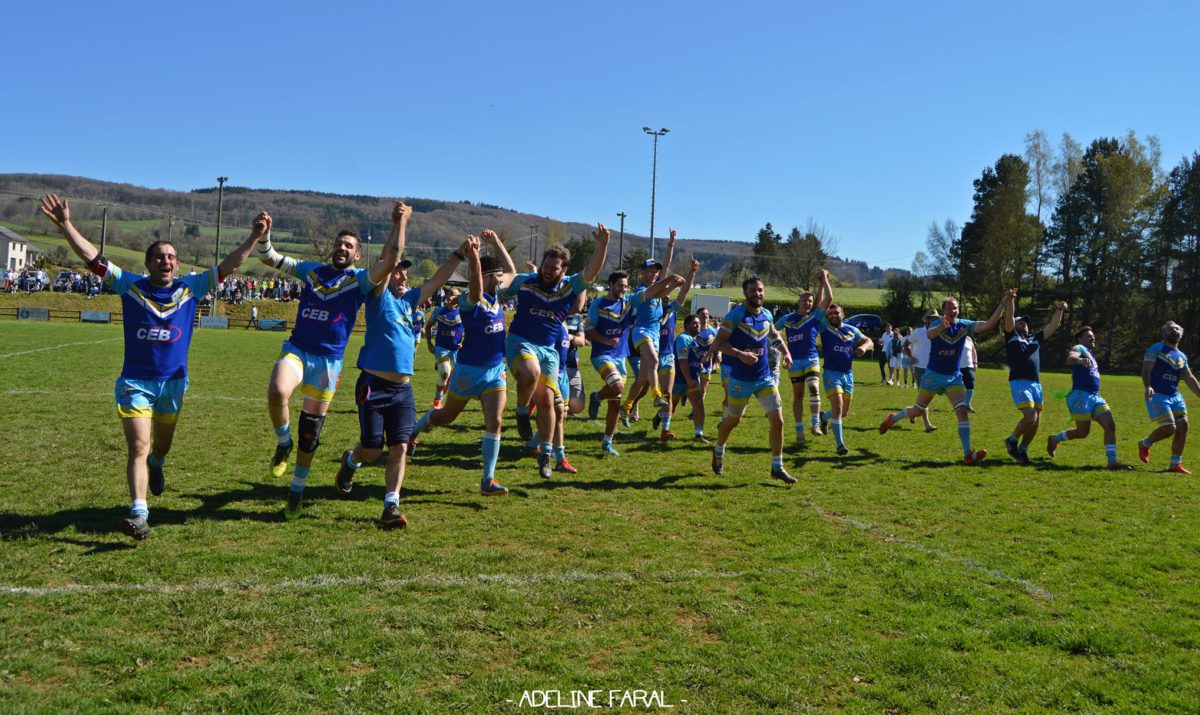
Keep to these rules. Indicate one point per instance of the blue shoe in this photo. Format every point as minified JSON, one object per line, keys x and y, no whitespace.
{"x":625,"y":418}
{"x":609,"y":450}
{"x":493,"y":488}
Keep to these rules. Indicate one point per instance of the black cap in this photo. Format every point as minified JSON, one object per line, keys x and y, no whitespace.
{"x":651,"y":263}
{"x":489,"y":264}
{"x":405,"y":264}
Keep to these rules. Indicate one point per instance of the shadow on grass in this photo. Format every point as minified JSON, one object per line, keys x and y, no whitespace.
{"x":607,"y":484}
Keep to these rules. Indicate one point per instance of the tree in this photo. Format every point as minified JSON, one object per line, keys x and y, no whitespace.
{"x":634,"y":258}
{"x":766,"y":248}
{"x":898,"y":299}
{"x":192,"y":230}
{"x":801,"y":258}
{"x":1176,"y":277}
{"x":942,"y":267}
{"x":581,"y":249}
{"x":1040,"y":157}
{"x":59,"y":256}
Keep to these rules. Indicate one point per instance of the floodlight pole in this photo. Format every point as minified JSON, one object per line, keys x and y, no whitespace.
{"x":654,"y":180}
{"x":621,"y":243}
{"x":217,"y":252}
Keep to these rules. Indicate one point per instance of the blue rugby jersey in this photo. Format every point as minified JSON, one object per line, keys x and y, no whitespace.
{"x":157,"y":320}
{"x":447,"y":328}
{"x":1024,"y":356}
{"x":610,"y":318}
{"x":328,"y":307}
{"x":1169,"y":365}
{"x":418,"y":321}
{"x":800,"y":333}
{"x":748,"y":332}
{"x":687,"y":357}
{"x":649,"y":312}
{"x":391,"y":332}
{"x":704,"y":339}
{"x":540,"y":311}
{"x":483,"y":331}
{"x":574,"y":327}
{"x":945,"y":351}
{"x":1085,"y":379}
{"x":666,"y":328}
{"x":837,"y":345}
{"x":563,"y":343}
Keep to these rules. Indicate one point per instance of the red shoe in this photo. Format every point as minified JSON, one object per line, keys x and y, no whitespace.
{"x":437,"y":404}
{"x":1143,"y":452}
{"x":667,"y":435}
{"x":975,"y":457}
{"x":534,"y":451}
{"x":887,"y":425}
{"x":1051,"y":446}
{"x":565,"y":466}
{"x":1180,"y":469}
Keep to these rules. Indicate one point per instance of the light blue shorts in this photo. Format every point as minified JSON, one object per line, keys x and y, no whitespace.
{"x":666,"y":362}
{"x":801,"y":369}
{"x":726,"y":370}
{"x":635,"y":364}
{"x":564,"y":384}
{"x":836,"y":382}
{"x":599,"y":362}
{"x":157,"y":399}
{"x":637,"y":336}
{"x":318,"y":375}
{"x":1026,"y":393}
{"x":517,"y":349}
{"x":1083,"y":406}
{"x":444,"y":354}
{"x":472,"y":382}
{"x":935,"y":383}
{"x":1161,"y":406}
{"x":740,"y":391}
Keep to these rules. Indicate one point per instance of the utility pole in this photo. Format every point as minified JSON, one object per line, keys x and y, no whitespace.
{"x":170,"y":229}
{"x":532,"y":242}
{"x":103,"y":230}
{"x":621,"y":243}
{"x":653,"y":180}
{"x":217,"y":253}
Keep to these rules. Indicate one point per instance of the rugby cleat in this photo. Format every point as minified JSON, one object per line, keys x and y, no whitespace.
{"x":1051,"y":446}
{"x":661,"y":402}
{"x":975,"y":457}
{"x":1023,"y":459}
{"x":666,"y":435}
{"x":782,"y":475}
{"x":493,"y":488}
{"x":700,"y":438}
{"x":624,"y":418}
{"x":135,"y":527}
{"x":842,"y":451}
{"x":345,"y":476}
{"x":1010,"y":446}
{"x":607,"y":450}
{"x":1119,"y":467}
{"x":1179,"y":469}
{"x":565,"y":467}
{"x":411,"y":449}
{"x":392,"y":518}
{"x":280,"y":461}
{"x":824,"y":424}
{"x":437,"y":404}
{"x":295,"y":504}
{"x":524,"y":427}
{"x":635,"y":415}
{"x":887,"y":425}
{"x":718,"y":463}
{"x":818,"y":431}
{"x":158,"y":481}
{"x":1143,"y":452}
{"x":931,"y":428}
{"x":656,"y":421}
{"x":593,"y":406}
{"x":544,"y":468}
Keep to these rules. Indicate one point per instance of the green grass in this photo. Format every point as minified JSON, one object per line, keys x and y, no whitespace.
{"x":858,"y":297}
{"x":893,"y":580}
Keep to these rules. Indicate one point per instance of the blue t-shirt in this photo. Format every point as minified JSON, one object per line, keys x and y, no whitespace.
{"x":483,"y":331}
{"x":749,"y":332}
{"x":800,"y":333}
{"x":328,"y":307}
{"x":447,"y":328}
{"x":649,"y":312}
{"x":610,"y":317}
{"x":837,"y":345}
{"x":666,"y":328}
{"x":391,"y":332}
{"x":1024,"y":356}
{"x":1169,"y":365}
{"x":687,"y":357}
{"x":945,"y":351}
{"x":1085,"y":379}
{"x":157,"y":320}
{"x":540,"y":312}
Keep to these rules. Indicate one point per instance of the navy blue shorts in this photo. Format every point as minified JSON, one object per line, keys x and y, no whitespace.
{"x":384,"y":408}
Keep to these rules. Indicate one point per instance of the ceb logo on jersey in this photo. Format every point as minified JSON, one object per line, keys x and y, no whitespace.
{"x":168,"y":334}
{"x":321,"y":316}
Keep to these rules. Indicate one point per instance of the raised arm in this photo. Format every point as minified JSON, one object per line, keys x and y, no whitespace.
{"x":990,"y":323}
{"x":670,"y":252}
{"x":393,"y":247}
{"x":510,"y":269}
{"x":1055,"y":320}
{"x":58,"y":211}
{"x":592,"y":269}
{"x":688,"y":282}
{"x":259,"y":227}
{"x":1010,"y":312}
{"x":662,"y":287}
{"x":429,"y":287}
{"x":824,"y":291}
{"x":475,"y":274}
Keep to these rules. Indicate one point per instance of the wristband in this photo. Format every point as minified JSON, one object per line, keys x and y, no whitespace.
{"x":459,"y":256}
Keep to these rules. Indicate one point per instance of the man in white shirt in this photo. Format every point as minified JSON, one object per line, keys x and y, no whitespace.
{"x":883,"y":353}
{"x":917,"y":349}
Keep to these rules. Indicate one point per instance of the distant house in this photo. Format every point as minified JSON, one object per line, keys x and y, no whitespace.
{"x":14,"y":250}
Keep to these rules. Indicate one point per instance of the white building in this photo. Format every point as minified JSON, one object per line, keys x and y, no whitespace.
{"x":14,"y":251}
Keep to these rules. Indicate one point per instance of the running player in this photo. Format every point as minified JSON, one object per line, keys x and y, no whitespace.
{"x":311,"y":358}
{"x":576,"y":402}
{"x":666,"y":353}
{"x":744,"y":336}
{"x":1024,"y":374}
{"x":1163,"y":366}
{"x":444,"y":334}
{"x":159,"y":312}
{"x":386,"y":409}
{"x":479,"y":374}
{"x":544,"y":299}
{"x":643,"y":336}
{"x":840,"y":344}
{"x":800,"y":329}
{"x":689,"y":356}
{"x":608,"y":318}
{"x":704,"y":340}
{"x":1085,"y":402}
{"x":942,"y":376}
{"x":917,"y":349}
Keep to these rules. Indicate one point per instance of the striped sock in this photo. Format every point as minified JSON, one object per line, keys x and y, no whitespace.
{"x":1176,"y":460}
{"x":776,"y":462}
{"x":283,"y":435}
{"x":140,"y":508}
{"x":299,"y":479}
{"x":964,"y":436}
{"x":1110,"y":450}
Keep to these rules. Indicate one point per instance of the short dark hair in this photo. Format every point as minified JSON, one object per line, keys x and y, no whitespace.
{"x":751,"y":279}
{"x":351,"y":234}
{"x":832,"y":306}
{"x":156,"y":244}
{"x":690,"y":316}
{"x":616,"y":276}
{"x":1083,"y":329}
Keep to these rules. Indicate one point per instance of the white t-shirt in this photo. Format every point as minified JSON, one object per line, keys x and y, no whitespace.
{"x":887,"y":345}
{"x":918,"y":345}
{"x":969,"y":358}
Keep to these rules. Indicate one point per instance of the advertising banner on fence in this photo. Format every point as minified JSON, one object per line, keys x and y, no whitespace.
{"x":24,"y":313}
{"x":207,"y":321}
{"x":95,"y":316}
{"x":271,"y":324}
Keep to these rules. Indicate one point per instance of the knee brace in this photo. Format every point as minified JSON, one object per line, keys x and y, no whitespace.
{"x":612,"y":378}
{"x":732,"y":412}
{"x":444,"y":368}
{"x":310,"y":431}
{"x":813,"y":383}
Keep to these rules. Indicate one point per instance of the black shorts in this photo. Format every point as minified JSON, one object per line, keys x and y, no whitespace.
{"x":968,"y":376}
{"x":384,"y":408}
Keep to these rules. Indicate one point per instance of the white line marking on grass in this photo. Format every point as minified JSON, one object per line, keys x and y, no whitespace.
{"x":56,"y":347}
{"x":322,"y":581}
{"x":107,"y":395}
{"x":1028,"y":586}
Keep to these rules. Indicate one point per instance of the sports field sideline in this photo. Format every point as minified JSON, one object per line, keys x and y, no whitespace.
{"x":895,"y":578}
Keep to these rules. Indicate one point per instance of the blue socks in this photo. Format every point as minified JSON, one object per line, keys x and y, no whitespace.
{"x":776,"y":462}
{"x":816,"y":420}
{"x":719,"y":450}
{"x":827,"y":414}
{"x":606,"y":439}
{"x":491,"y":452}
{"x":283,"y":435}
{"x":391,"y":498}
{"x":155,"y":461}
{"x":349,"y":461}
{"x":523,"y":410}
{"x":1176,"y":460}
{"x":1110,"y":451}
{"x":666,"y":422}
{"x":836,"y":424}
{"x":140,"y":508}
{"x":1060,"y":437}
{"x":300,"y":478}
{"x":964,"y":435}
{"x":560,"y":453}
{"x":547,"y":448}
{"x":970,"y":394}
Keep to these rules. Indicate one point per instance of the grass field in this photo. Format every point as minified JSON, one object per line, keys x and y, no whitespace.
{"x":892,"y":580}
{"x":857,"y":297}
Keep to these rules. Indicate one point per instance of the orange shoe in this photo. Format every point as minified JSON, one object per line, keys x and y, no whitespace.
{"x":565,"y":466}
{"x":667,"y":435}
{"x":887,"y":425}
{"x":1180,"y":469}
{"x":1143,"y":452}
{"x":975,"y":457}
{"x":437,"y":404}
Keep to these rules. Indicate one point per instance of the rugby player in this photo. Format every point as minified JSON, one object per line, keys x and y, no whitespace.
{"x":444,"y":335}
{"x":666,"y":353}
{"x":840,"y":344}
{"x":689,"y":356}
{"x":800,"y":329}
{"x":1084,"y":400}
{"x":643,"y":336}
{"x":1024,"y":349}
{"x":1163,"y":367}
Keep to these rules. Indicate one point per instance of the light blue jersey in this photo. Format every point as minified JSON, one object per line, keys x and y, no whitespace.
{"x":391,"y":333}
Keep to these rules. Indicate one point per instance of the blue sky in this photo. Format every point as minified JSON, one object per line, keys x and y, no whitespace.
{"x":872,"y":118}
